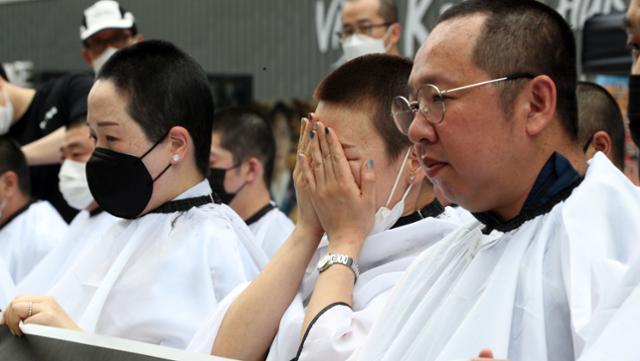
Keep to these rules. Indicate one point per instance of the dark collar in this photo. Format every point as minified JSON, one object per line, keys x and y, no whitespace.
{"x":18,"y":212}
{"x":432,"y":209}
{"x":554,"y":184}
{"x":259,"y":214}
{"x":182,"y":205}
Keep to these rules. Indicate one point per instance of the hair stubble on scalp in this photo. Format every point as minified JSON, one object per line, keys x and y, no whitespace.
{"x":12,"y":159}
{"x":599,"y":111}
{"x":525,"y":36}
{"x":369,"y":83}
{"x":164,"y":87}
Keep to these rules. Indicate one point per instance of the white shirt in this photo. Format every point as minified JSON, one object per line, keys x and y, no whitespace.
{"x":154,"y":278}
{"x":271,"y":230}
{"x":7,"y":287}
{"x":339,"y":330}
{"x":27,"y":238}
{"x":83,"y":231}
{"x":528,"y":294}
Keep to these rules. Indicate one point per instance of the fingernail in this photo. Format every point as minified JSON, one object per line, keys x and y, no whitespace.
{"x":316,"y":126}
{"x":370,"y":164}
{"x":312,"y":134}
{"x":326,"y":130}
{"x":298,"y":156}
{"x":310,"y":116}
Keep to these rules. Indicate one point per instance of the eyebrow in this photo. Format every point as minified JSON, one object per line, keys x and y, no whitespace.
{"x":107,"y":123}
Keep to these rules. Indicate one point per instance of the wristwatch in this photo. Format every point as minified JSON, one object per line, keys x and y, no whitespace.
{"x":330,"y":259}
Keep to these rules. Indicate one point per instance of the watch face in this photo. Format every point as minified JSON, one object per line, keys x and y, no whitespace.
{"x":324,"y":262}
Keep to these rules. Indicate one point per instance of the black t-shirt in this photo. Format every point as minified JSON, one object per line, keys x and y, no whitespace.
{"x":56,"y":103}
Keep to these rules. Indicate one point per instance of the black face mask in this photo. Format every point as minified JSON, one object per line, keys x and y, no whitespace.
{"x":119,"y":182}
{"x":216,"y":181}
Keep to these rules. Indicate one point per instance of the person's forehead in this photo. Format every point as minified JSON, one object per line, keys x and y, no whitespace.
{"x":446,"y":57}
{"x":105,"y":103}
{"x":357,"y":11}
{"x":352,"y":125}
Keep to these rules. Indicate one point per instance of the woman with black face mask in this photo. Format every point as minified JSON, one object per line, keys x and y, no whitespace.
{"x":177,"y":252}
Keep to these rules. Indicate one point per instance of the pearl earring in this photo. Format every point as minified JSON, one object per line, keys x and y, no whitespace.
{"x":412,"y":178}
{"x":175,"y":158}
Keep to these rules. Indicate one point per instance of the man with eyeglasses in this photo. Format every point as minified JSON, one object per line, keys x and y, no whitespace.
{"x":106,"y":27}
{"x":493,"y":119}
{"x":368,"y":27}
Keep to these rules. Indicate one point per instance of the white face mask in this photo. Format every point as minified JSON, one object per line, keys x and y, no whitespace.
{"x":385,"y":218}
{"x":99,"y":62}
{"x":359,"y":44}
{"x":73,"y":184}
{"x":6,"y":113}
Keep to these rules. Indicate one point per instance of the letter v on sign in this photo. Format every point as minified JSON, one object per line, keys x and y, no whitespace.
{"x":325,"y":22}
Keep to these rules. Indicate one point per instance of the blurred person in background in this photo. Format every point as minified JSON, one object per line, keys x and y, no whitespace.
{"x":369,"y":27}
{"x":29,"y":229}
{"x":87,"y":227}
{"x":632,"y":26}
{"x":41,"y":115}
{"x":241,"y":168}
{"x":600,"y":123}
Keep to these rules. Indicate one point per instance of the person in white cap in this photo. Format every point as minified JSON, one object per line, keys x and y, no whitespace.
{"x":106,"y":27}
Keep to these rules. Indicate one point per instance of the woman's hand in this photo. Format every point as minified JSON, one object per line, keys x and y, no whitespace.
{"x":346,"y":211}
{"x":307,"y":218}
{"x":42,"y":310}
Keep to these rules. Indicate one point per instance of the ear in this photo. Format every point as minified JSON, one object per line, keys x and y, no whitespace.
{"x":413,"y":169}
{"x":601,"y":141}
{"x":9,"y":184}
{"x":394,"y":33}
{"x":85,"y":56}
{"x":138,"y":38}
{"x":541,"y":94}
{"x":255,"y":170}
{"x":180,"y":144}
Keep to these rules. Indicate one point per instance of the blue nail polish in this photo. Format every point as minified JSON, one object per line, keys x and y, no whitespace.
{"x":370,"y":164}
{"x":312,"y":134}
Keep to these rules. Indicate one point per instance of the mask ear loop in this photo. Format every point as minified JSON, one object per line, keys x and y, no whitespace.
{"x":395,"y":184}
{"x":152,"y":148}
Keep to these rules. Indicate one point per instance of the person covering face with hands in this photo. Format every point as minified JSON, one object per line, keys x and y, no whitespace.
{"x":372,"y":181}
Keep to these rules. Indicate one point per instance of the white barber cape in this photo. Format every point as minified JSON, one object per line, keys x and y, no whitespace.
{"x":29,"y":236}
{"x":84,"y":231}
{"x":528,"y":294}
{"x":339,"y":329}
{"x":7,"y":286}
{"x":155,"y":278}
{"x":271,"y":230}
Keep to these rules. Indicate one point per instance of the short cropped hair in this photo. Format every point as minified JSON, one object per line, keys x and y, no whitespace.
{"x":387,"y":9}
{"x":12,"y":159}
{"x":369,"y":83}
{"x":525,"y":36}
{"x":599,"y":111}
{"x":164,"y":87}
{"x":246,"y":133}
{"x":3,"y":74}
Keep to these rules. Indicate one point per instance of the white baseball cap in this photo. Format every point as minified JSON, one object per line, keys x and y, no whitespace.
{"x":105,"y":14}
